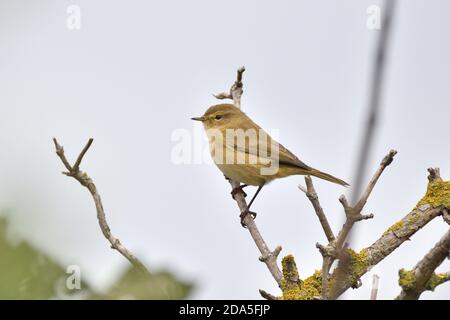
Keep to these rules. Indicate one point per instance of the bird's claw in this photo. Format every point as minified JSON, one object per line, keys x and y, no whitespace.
{"x":237,"y":190}
{"x":244,"y":214}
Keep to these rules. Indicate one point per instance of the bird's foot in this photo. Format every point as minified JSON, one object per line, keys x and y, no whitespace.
{"x":244,"y":214}
{"x":237,"y":190}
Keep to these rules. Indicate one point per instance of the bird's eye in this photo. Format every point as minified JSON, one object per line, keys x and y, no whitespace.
{"x":218,"y":117}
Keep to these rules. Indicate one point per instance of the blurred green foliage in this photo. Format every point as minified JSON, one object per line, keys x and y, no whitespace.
{"x":28,"y":273}
{"x":25,"y":273}
{"x":133,"y":284}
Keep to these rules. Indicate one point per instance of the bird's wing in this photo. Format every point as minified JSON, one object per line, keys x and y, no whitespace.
{"x":265,"y":152}
{"x":288,"y":158}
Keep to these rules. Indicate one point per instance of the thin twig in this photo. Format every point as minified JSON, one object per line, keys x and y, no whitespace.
{"x":326,"y":265}
{"x":353,"y":214}
{"x":267,"y":295}
{"x":236,"y":90}
{"x":76,"y":166}
{"x":311,"y":194}
{"x":86,"y":181}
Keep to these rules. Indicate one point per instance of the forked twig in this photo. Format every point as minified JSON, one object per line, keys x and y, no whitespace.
{"x":86,"y":181}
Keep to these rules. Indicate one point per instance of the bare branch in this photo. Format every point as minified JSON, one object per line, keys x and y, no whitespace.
{"x":267,"y":295}
{"x":387,"y":160}
{"x":446,"y":215}
{"x":60,"y":153}
{"x":353,"y":214}
{"x":434,"y":174}
{"x":267,"y":256}
{"x":311,"y":194}
{"x":365,"y":217}
{"x":86,"y":181}
{"x":222,"y":95}
{"x":275,"y":253}
{"x":76,"y":166}
{"x":326,"y":265}
{"x":236,"y":90}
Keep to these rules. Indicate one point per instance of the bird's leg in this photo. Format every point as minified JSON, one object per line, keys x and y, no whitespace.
{"x":254,"y":197}
{"x":246,"y":212}
{"x":237,"y":190}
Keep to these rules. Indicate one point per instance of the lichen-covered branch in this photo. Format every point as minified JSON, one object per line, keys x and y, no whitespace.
{"x":407,"y":280}
{"x":429,"y":207}
{"x":86,"y":181}
{"x":423,"y":277}
{"x":335,"y":248}
{"x":294,"y":288}
{"x":267,"y":256}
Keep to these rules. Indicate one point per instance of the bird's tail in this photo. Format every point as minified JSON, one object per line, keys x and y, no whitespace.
{"x":326,"y":176}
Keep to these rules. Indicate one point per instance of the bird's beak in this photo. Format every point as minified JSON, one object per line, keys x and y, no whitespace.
{"x":198,"y":118}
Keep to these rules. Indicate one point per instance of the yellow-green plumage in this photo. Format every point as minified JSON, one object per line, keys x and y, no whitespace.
{"x":226,"y":116}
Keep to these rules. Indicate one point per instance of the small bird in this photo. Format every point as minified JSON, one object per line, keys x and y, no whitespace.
{"x":249,"y":158}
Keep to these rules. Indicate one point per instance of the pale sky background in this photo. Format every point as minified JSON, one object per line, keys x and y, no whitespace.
{"x":138,"y":70}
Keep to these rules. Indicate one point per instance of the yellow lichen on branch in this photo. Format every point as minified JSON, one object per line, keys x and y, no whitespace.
{"x":394,"y":227}
{"x":358,"y":264}
{"x":296,"y":289}
{"x":311,"y":288}
{"x":290,"y":283}
{"x":435,"y":280}
{"x":407,"y":280}
{"x":437,"y":195}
